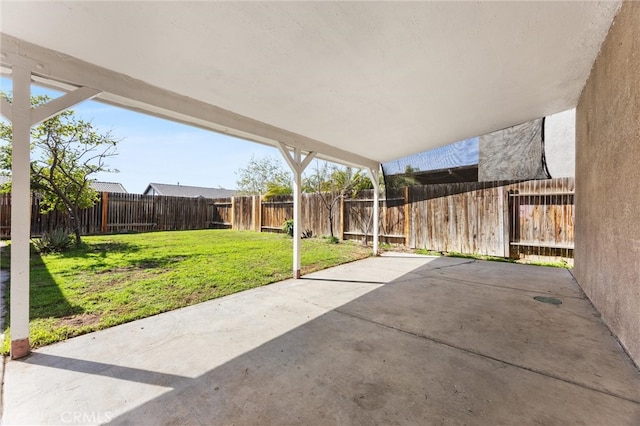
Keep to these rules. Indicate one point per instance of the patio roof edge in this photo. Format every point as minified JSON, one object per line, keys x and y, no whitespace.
{"x":64,"y":71}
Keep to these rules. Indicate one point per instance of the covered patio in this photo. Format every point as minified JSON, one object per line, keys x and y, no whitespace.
{"x":386,"y":340}
{"x":389,"y":340}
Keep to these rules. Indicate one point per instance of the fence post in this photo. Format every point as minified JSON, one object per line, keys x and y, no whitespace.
{"x":342,"y":218}
{"x":105,"y":211}
{"x":256,"y":204}
{"x":253,"y":213}
{"x":504,"y":199}
{"x":502,"y":236}
{"x":407,"y":218}
{"x":259,"y":213}
{"x":233,"y":211}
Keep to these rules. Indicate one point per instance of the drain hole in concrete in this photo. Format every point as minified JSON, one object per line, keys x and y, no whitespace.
{"x":551,"y":300}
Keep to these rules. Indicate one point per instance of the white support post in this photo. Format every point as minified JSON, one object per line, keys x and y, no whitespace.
{"x":297,"y":166}
{"x":20,"y":212}
{"x":22,"y":117}
{"x":375,"y":174}
{"x":297,"y":216}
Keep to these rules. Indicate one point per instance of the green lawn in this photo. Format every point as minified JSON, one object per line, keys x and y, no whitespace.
{"x":119,"y":278}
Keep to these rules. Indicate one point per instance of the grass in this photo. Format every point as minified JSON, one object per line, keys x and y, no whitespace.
{"x":115,"y":279}
{"x":553,"y":264}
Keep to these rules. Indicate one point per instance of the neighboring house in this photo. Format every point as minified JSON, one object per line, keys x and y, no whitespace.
{"x":109,"y":187}
{"x":187,"y":191}
{"x":98,"y":186}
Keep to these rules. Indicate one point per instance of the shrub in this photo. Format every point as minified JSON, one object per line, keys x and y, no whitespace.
{"x":55,"y":241}
{"x":288,"y":227}
{"x":333,"y":239}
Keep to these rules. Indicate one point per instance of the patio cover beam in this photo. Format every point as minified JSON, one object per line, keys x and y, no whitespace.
{"x":63,"y":71}
{"x":22,"y":116}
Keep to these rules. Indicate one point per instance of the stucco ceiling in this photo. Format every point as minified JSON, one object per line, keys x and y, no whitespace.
{"x":379,"y":80}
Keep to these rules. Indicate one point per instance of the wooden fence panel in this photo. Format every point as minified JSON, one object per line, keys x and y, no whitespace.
{"x":5,"y":215}
{"x":493,"y":218}
{"x":542,"y":218}
{"x":315,"y":214}
{"x":129,"y":213}
{"x":219,"y":213}
{"x":275,"y":212}
{"x":468,"y":217}
{"x":489,"y":229}
{"x":243,"y":213}
{"x":358,"y":217}
{"x":393,"y":216}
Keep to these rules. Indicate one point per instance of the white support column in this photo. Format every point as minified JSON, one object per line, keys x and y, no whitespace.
{"x":22,"y":117}
{"x":375,"y":175}
{"x":20,"y":212}
{"x":297,"y":216}
{"x":297,"y":166}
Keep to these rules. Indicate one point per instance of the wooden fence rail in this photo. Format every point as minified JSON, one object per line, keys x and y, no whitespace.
{"x":491,"y":218}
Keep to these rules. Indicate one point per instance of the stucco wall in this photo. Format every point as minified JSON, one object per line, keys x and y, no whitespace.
{"x":607,"y":254}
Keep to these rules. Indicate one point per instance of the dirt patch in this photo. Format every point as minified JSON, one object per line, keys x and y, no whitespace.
{"x":79,"y":320}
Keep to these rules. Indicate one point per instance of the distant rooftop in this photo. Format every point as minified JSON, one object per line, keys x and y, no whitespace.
{"x":108,"y":187}
{"x":98,"y":186}
{"x":187,"y":191}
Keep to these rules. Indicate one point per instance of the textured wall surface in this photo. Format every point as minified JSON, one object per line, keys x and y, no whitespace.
{"x":607,"y":254}
{"x":560,"y":143}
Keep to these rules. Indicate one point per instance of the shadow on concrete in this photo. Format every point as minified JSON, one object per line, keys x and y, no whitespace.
{"x":102,"y":369}
{"x":425,"y":350}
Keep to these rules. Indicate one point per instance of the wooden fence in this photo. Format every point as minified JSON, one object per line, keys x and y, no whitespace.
{"x":494,"y":218}
{"x":513,"y":220}
{"x":118,"y":213}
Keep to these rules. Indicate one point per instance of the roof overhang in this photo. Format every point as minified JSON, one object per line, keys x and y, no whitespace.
{"x":357,"y":82}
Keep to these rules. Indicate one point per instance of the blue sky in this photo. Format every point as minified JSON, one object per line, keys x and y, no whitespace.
{"x":462,"y":153}
{"x":155,"y":150}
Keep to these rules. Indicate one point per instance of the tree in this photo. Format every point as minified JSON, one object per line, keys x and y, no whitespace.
{"x":400,"y":180}
{"x":66,"y":151}
{"x":265,"y":176}
{"x":332,"y":183}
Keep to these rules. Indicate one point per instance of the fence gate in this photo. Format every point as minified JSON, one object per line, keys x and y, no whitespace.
{"x":541,"y":224}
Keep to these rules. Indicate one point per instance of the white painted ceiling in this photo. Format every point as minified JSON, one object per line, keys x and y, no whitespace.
{"x":380,"y":80}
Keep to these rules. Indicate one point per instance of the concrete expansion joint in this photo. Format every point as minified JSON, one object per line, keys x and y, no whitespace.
{"x":485,"y":356}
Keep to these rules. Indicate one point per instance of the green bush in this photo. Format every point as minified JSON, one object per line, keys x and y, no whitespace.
{"x":333,"y":239}
{"x":55,"y":241}
{"x":288,"y":227}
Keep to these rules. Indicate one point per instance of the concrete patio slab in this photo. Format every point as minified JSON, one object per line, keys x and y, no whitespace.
{"x":387,"y":340}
